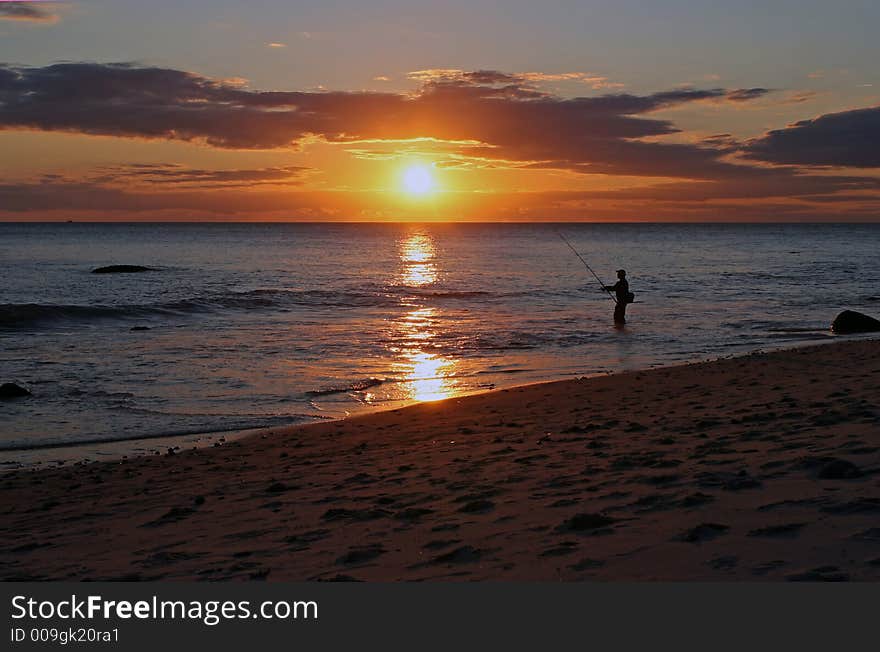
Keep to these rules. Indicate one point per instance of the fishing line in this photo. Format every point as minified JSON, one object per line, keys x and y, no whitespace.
{"x":613,"y":298}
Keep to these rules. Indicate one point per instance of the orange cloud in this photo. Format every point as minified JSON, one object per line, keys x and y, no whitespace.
{"x":32,"y":12}
{"x":478,"y":120}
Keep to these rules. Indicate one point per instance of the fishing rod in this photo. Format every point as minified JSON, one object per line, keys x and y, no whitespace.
{"x":565,"y":240}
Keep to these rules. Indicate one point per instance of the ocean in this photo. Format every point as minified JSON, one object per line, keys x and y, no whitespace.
{"x":242,"y":326}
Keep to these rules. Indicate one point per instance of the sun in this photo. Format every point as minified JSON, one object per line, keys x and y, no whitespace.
{"x":418,"y":180}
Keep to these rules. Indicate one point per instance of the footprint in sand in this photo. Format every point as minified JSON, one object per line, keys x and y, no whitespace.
{"x":820,"y":574}
{"x":703,"y":532}
{"x":301,"y":541}
{"x":787,"y":531}
{"x":439,"y":544}
{"x":726,"y":562}
{"x":564,"y":548}
{"x":461,"y":555}
{"x":587,"y":564}
{"x":361,"y":555}
{"x":477,"y":507}
{"x":871,"y":534}
{"x":588,"y":524}
{"x":412,"y":514}
{"x":171,"y":516}
{"x":342,"y":513}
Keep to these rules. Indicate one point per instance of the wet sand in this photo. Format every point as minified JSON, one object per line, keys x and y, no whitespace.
{"x":765,"y":467}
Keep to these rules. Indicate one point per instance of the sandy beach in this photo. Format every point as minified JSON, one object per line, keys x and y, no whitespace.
{"x":763,"y":467}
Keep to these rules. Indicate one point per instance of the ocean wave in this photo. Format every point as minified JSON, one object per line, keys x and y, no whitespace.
{"x":449,"y":294}
{"x":19,"y":315}
{"x":29,"y":315}
{"x":356,"y":386}
{"x":212,"y":426}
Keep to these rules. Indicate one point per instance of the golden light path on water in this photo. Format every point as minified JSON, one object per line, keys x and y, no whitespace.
{"x":416,"y":257}
{"x":428,"y":376}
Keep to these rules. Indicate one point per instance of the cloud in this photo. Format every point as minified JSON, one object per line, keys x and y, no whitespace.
{"x":845,"y":139}
{"x":746,"y":94}
{"x":161,"y":103}
{"x":491,"y":77}
{"x":799,"y":97}
{"x":594,"y":81}
{"x":177,"y":176}
{"x":276,"y":45}
{"x":510,"y":118}
{"x":703,"y":201}
{"x":33,"y":12}
{"x":482,"y":118}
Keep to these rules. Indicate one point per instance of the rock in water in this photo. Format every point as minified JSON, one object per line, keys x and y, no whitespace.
{"x":850,"y":321}
{"x":11,"y":390}
{"x":121,"y":269}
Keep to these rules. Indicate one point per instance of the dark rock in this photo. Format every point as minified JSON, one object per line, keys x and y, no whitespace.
{"x":11,"y":390}
{"x":850,"y":321}
{"x":121,"y":269}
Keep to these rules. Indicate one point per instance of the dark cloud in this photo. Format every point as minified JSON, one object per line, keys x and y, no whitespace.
{"x":846,"y":139}
{"x":33,"y":12}
{"x":489,"y":77}
{"x":171,"y":175}
{"x":747,"y":94}
{"x":487,"y":118}
{"x":511,"y":119}
{"x":161,"y":103}
{"x":782,"y":183}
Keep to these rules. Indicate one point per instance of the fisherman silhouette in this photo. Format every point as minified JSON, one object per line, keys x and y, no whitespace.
{"x":623,"y":295}
{"x":621,"y":288}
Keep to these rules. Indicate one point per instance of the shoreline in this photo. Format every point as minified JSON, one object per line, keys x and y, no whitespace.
{"x":763,"y":466}
{"x":55,"y":455}
{"x":42,"y":456}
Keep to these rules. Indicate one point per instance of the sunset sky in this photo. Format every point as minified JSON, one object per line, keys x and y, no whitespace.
{"x":394,"y":110}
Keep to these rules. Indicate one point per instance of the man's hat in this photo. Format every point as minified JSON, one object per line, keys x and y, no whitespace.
{"x":620,"y":271}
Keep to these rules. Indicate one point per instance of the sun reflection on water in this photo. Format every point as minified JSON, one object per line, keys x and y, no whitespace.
{"x":427,"y":375}
{"x":416,"y":257}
